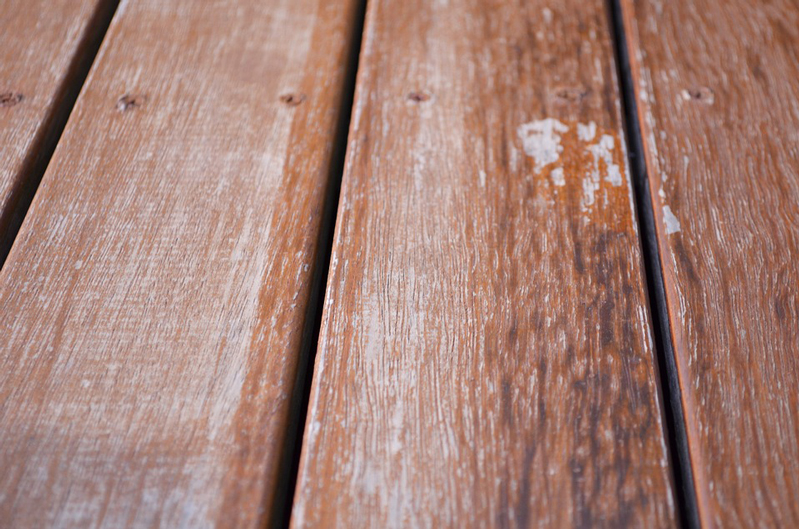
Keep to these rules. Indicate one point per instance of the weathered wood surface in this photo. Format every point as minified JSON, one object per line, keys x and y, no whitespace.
{"x":717,"y":89}
{"x":485,"y":356}
{"x":44,"y":47}
{"x":154,"y":302}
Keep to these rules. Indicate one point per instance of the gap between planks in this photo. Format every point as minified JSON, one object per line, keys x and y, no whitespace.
{"x":674,"y":415}
{"x":302,"y":392}
{"x":49,"y":133}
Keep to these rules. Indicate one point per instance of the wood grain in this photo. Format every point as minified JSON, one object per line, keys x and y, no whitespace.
{"x":717,"y":87}
{"x":46,"y":46}
{"x":155,"y":300}
{"x":485,"y":357}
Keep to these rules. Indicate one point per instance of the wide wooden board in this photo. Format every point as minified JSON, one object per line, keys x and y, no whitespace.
{"x":485,"y":357}
{"x":155,"y":301}
{"x":717,"y":89}
{"x":45,"y":49}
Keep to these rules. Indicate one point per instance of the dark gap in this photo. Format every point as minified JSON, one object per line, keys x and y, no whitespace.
{"x":49,"y":132}
{"x":676,"y":435}
{"x":290,"y":461}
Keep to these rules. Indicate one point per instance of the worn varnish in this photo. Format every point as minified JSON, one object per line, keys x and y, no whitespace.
{"x":45,"y":49}
{"x":153,"y":305}
{"x":485,"y":357}
{"x":717,"y":93}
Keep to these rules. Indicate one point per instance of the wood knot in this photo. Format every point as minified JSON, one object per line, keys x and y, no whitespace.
{"x":419,"y":97}
{"x":700,"y":95}
{"x":9,"y":99}
{"x":570,"y":94}
{"x":130,"y":101}
{"x":292,"y":100}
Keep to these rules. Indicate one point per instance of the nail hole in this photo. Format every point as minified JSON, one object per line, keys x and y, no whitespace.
{"x":572,"y":94}
{"x":9,"y":99}
{"x":701,"y":95}
{"x":292,"y":100}
{"x":419,"y":97}
{"x":130,"y":101}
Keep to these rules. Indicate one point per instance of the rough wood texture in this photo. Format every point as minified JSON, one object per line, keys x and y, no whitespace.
{"x":154,"y":301}
{"x":485,"y":358}
{"x":717,"y":89}
{"x":44,"y":48}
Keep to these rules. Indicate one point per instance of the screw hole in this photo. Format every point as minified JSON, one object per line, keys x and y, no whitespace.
{"x":292,"y":100}
{"x":419,"y":97}
{"x":130,"y":101}
{"x":701,"y":95}
{"x":9,"y":99}
{"x":573,"y":94}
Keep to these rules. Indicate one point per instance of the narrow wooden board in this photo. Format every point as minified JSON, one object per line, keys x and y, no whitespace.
{"x":155,"y":300}
{"x":46,"y":47}
{"x":485,"y":356}
{"x":717,"y":90}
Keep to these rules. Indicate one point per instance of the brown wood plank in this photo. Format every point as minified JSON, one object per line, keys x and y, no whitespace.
{"x":717,"y":90}
{"x":155,"y":299}
{"x":485,"y":356}
{"x":46,"y":47}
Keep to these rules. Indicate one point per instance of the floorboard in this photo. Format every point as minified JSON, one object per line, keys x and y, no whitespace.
{"x":155,"y":303}
{"x":485,"y":357}
{"x":46,"y":47}
{"x":717,"y":95}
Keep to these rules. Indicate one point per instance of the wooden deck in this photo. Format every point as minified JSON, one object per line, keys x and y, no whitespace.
{"x":399,"y":263}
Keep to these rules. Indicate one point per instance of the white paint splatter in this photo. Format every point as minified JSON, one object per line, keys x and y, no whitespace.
{"x":614,"y":175}
{"x":586,"y":132}
{"x":547,"y":15}
{"x":482,"y":175}
{"x":419,"y":168}
{"x":603,"y":151}
{"x":541,"y":140}
{"x":557,"y":176}
{"x":670,"y":221}
{"x":590,"y":187}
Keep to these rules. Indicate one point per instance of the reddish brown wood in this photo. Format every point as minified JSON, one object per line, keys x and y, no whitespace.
{"x":46,"y":47}
{"x":717,"y":85}
{"x":485,"y":358}
{"x":154,"y":303}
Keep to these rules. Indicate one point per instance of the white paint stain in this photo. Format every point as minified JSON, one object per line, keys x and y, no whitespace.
{"x":586,"y":132}
{"x":670,"y":221}
{"x":547,"y":15}
{"x":419,"y":168}
{"x":482,"y":175}
{"x":558,"y":177}
{"x":541,"y":141}
{"x":603,"y":151}
{"x":590,"y":187}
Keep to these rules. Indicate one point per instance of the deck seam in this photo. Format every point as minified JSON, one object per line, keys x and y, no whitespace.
{"x":281,"y":516}
{"x":49,"y":132}
{"x":669,"y":383}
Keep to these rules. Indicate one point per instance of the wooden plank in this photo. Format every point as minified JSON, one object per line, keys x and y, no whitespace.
{"x":155,"y":300}
{"x":485,"y":355}
{"x":46,"y":47}
{"x":717,"y":87}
